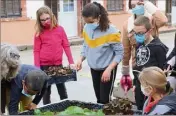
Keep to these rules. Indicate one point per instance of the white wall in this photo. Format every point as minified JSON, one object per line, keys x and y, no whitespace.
{"x":174,"y":15}
{"x":162,"y":5}
{"x":32,"y":6}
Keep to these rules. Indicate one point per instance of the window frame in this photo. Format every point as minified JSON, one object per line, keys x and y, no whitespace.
{"x":6,"y":13}
{"x":68,"y":6}
{"x":116,"y":4}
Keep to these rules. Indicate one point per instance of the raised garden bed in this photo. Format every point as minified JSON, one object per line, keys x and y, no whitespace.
{"x":56,"y":108}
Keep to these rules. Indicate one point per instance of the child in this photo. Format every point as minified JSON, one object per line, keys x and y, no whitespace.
{"x":151,"y":52}
{"x":138,"y":8}
{"x":49,"y":42}
{"x":102,"y":48}
{"x":29,"y":81}
{"x":161,"y":99}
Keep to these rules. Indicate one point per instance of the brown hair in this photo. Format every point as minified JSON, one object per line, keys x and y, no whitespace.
{"x":40,"y":11}
{"x":96,"y":10}
{"x":143,"y":21}
{"x":156,"y":78}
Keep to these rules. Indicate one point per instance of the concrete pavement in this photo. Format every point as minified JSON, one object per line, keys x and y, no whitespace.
{"x":83,"y":88}
{"x":78,"y":41}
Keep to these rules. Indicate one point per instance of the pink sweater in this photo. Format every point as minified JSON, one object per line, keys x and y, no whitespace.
{"x":49,"y":45}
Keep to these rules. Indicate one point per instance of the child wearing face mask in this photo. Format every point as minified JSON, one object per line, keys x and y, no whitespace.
{"x":161,"y":100}
{"x":29,"y":81}
{"x":49,"y":42}
{"x":102,"y":48}
{"x":151,"y":52}
{"x":138,"y":8}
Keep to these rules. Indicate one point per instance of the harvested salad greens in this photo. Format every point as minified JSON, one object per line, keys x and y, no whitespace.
{"x":72,"y":110}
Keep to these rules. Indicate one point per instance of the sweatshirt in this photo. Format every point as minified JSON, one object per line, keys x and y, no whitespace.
{"x":100,"y":48}
{"x":152,"y":54}
{"x":49,"y":46}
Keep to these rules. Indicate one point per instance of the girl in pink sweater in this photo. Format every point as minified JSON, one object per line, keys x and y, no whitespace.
{"x":49,"y":42}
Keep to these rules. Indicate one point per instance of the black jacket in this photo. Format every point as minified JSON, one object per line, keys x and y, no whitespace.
{"x":152,"y":54}
{"x":171,"y":55}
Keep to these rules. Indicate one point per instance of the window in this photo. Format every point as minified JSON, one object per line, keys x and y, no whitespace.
{"x":10,"y":8}
{"x":68,"y":5}
{"x":115,"y":5}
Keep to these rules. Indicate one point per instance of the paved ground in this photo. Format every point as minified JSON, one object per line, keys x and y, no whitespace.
{"x":83,"y":88}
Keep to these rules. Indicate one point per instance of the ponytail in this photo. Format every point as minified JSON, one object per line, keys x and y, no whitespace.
{"x":168,"y":88}
{"x":104,"y":20}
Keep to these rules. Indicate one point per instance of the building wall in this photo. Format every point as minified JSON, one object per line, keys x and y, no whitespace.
{"x":118,"y":20}
{"x":32,"y":6}
{"x":161,"y":5}
{"x":18,"y":32}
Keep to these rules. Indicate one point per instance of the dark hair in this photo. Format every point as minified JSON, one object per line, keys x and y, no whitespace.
{"x":96,"y":10}
{"x":36,"y":79}
{"x":169,"y":89}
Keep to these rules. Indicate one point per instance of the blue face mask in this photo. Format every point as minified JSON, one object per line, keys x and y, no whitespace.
{"x":92,"y":26}
{"x":24,"y":93}
{"x":138,"y":10}
{"x":139,"y":38}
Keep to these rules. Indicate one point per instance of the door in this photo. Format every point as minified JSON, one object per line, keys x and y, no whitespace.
{"x":67,"y":16}
{"x":53,"y":5}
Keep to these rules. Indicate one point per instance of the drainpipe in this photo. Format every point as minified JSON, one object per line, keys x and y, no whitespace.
{"x":169,"y":11}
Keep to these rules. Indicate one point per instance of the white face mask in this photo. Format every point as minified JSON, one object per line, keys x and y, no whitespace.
{"x":144,"y":92}
{"x":130,"y":11}
{"x":24,"y":93}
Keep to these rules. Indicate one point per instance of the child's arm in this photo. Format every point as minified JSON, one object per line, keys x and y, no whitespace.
{"x":15,"y":95}
{"x":37,"y":47}
{"x":66,"y":47}
{"x":119,"y":51}
{"x":161,"y":57}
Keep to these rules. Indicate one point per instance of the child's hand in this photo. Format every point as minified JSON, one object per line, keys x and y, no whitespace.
{"x":31,"y":106}
{"x":79,"y":65}
{"x":73,"y":66}
{"x":106,"y":75}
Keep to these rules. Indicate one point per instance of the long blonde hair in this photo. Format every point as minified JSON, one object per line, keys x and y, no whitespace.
{"x":156,"y":78}
{"x":40,"y":11}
